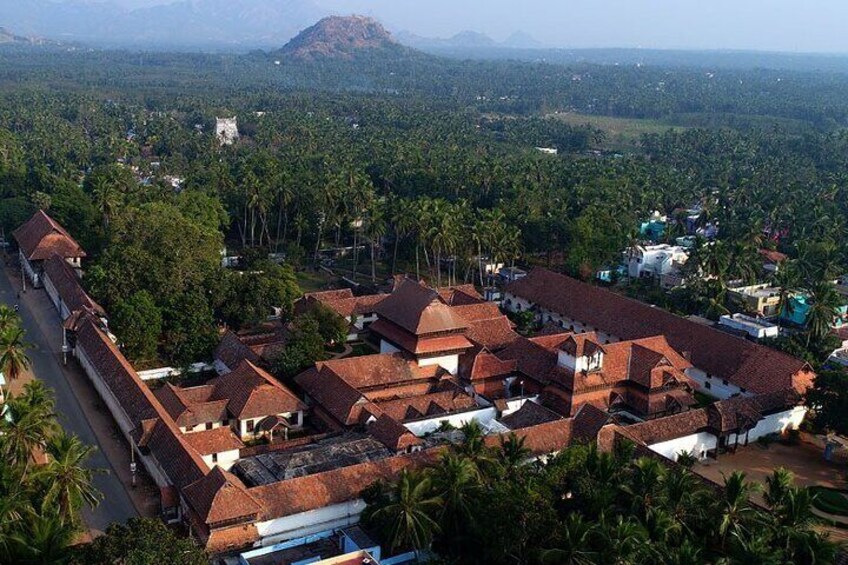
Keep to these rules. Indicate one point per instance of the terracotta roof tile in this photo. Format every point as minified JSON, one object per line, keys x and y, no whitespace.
{"x":431,"y":404}
{"x":207,"y":442}
{"x":378,"y":370}
{"x":419,"y":345}
{"x":587,"y":422}
{"x":754,"y":367}
{"x":67,"y":285}
{"x":530,"y":414}
{"x":41,"y":236}
{"x":392,"y":434}
{"x":221,"y":497}
{"x":251,"y":392}
{"x":459,"y":295}
{"x":231,"y":351}
{"x":419,"y":310}
{"x":333,"y":394}
{"x":670,"y":427}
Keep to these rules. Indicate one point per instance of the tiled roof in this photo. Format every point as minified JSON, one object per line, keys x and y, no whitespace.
{"x":191,"y":406}
{"x":207,"y":442}
{"x":419,"y":345}
{"x":392,"y":434}
{"x":181,"y":463}
{"x":41,"y":236}
{"x":378,"y":370}
{"x":578,"y":345}
{"x":221,"y":497}
{"x":754,"y":367}
{"x":530,"y":414}
{"x":285,"y":498}
{"x":431,"y":404}
{"x":487,"y":326}
{"x":540,"y":439}
{"x":486,"y":365}
{"x":65,"y":281}
{"x":419,"y":310}
{"x":132,"y":394}
{"x":355,"y":306}
{"x":587,"y":422}
{"x":333,"y":394}
{"x":250,"y":392}
{"x":231,"y":351}
{"x":339,"y":294}
{"x":773,"y":256}
{"x":670,"y":427}
{"x":459,"y":295}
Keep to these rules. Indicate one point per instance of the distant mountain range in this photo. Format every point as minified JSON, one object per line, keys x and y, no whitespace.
{"x":183,"y":23}
{"x":197,"y":24}
{"x":9,"y":38}
{"x":469,"y":40}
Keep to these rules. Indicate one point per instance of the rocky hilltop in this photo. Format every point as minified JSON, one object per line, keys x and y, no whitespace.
{"x":339,"y":37}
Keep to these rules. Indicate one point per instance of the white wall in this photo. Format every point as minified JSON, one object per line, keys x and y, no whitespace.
{"x":717,"y":387}
{"x":449,"y":363}
{"x":422,"y":427}
{"x":31,"y":274}
{"x":226,"y":459}
{"x":696,"y":444}
{"x":773,"y":424}
{"x":54,"y":297}
{"x":311,"y":522}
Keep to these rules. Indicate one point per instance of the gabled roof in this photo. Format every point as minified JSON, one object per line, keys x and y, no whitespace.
{"x":221,"y":497}
{"x":378,"y":370}
{"x":231,"y":351}
{"x":431,"y":404}
{"x":191,"y":406}
{"x":580,"y":345}
{"x":41,"y":236}
{"x":530,"y":414}
{"x":587,"y":422}
{"x":392,"y":434}
{"x":67,"y":285}
{"x":748,"y":365}
{"x":250,"y":392}
{"x":670,"y":427}
{"x":333,"y":394}
{"x":419,"y":310}
{"x":218,"y":440}
{"x":487,"y":326}
{"x":459,"y":295}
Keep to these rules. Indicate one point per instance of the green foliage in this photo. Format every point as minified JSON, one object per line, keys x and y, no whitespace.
{"x":828,"y":400}
{"x":139,"y":323}
{"x":304,"y":346}
{"x":254,"y":295}
{"x":141,"y":541}
{"x":586,"y":507}
{"x":40,"y":505}
{"x":332,"y":327}
{"x":189,"y":332}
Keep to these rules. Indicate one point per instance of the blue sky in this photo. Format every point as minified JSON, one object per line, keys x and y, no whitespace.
{"x":777,"y":25}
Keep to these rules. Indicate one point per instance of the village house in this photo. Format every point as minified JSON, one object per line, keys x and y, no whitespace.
{"x":659,"y":262}
{"x":358,"y":311}
{"x":40,"y":238}
{"x":226,"y":130}
{"x":759,"y":299}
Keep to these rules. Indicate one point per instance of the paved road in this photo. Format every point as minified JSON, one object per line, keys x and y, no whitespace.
{"x":46,"y":358}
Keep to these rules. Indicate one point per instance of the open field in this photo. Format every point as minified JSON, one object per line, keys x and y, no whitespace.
{"x":622,"y":134}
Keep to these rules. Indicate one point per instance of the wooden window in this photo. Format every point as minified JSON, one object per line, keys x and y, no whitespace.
{"x":208,"y":425}
{"x":250,"y":425}
{"x":214,"y":458}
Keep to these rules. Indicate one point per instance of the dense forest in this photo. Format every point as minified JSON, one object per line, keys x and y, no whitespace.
{"x":418,"y":163}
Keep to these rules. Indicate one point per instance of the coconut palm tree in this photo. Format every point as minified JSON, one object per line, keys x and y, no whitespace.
{"x":513,"y":453}
{"x":8,"y":318}
{"x":13,"y":357}
{"x":46,"y":540}
{"x":67,"y":481}
{"x":409,"y":514}
{"x":28,"y":427}
{"x":734,"y":509}
{"x":777,"y":486}
{"x":457,"y":482}
{"x":824,"y":302}
{"x":574,"y":543}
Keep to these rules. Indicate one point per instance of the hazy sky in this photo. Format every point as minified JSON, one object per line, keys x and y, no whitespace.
{"x":781,"y":25}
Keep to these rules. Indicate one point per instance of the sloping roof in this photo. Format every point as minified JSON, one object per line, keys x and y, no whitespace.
{"x":41,"y":236}
{"x":486,"y":365}
{"x":251,"y":393}
{"x":65,"y":281}
{"x":392,"y":434}
{"x":191,"y":406}
{"x":378,"y":370}
{"x":772,"y":256}
{"x":460,"y":295}
{"x":419,"y":310}
{"x":540,"y":439}
{"x":207,"y":442}
{"x":353,"y":306}
{"x":587,"y":422}
{"x":416,"y":344}
{"x":754,"y":367}
{"x":231,"y":351}
{"x":221,"y":497}
{"x":431,"y":404}
{"x":487,"y":326}
{"x":670,"y":427}
{"x":333,"y":394}
{"x":530,"y":414}
{"x":579,"y":345}
{"x":285,"y":498}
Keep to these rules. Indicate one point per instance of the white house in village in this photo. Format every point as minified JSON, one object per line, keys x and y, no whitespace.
{"x":654,"y":261}
{"x":226,"y":130}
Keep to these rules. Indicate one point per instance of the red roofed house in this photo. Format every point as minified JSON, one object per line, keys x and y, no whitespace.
{"x":358,"y":311}
{"x":416,"y":320}
{"x":64,"y":289}
{"x":38,"y":239}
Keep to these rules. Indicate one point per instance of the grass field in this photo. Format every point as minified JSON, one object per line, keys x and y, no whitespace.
{"x":311,"y":281}
{"x":622,"y":134}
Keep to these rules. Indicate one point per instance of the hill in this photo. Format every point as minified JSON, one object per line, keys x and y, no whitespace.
{"x":339,"y":37}
{"x":8,"y":38}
